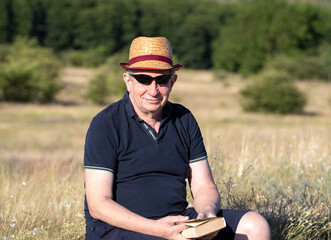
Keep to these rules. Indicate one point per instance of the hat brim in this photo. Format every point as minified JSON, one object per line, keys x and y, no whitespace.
{"x":126,"y":66}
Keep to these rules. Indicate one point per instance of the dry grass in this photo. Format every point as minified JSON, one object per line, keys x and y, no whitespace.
{"x":278,"y":165}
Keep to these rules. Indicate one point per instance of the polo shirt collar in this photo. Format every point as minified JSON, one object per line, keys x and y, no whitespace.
{"x":128,"y":105}
{"x":167,"y":109}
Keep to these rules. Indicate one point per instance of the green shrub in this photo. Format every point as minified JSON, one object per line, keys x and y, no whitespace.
{"x":98,"y":90}
{"x":108,"y":81}
{"x":29,"y":73}
{"x":273,"y":92}
{"x":301,"y":67}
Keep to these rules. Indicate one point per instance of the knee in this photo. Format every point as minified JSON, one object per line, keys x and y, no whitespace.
{"x":253,"y":226}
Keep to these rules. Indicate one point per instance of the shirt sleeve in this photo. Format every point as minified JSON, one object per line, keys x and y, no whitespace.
{"x":197,"y":147}
{"x":100,"y":151}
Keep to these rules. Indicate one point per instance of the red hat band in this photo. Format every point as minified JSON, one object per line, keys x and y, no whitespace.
{"x":150,"y":57}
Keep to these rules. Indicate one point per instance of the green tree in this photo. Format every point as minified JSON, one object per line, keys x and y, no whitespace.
{"x":39,"y":10}
{"x":22,"y":17}
{"x":86,"y":36}
{"x":163,"y":18}
{"x":102,"y":26}
{"x":171,"y":15}
{"x":129,"y":22}
{"x":61,"y":19}
{"x":4,"y":21}
{"x":313,"y":22}
{"x":197,"y":31}
{"x":262,"y":29}
{"x":153,"y":17}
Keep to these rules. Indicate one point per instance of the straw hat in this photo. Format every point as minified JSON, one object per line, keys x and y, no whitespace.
{"x":150,"y":53}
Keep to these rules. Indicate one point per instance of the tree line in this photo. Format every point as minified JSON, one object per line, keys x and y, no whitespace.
{"x":239,"y":37}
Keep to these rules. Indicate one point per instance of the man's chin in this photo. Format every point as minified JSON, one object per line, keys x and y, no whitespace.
{"x":153,"y":107}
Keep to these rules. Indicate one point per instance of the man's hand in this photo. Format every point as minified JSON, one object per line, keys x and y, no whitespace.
{"x":169,"y":229}
{"x":207,"y":215}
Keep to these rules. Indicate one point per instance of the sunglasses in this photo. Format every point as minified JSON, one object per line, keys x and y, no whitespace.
{"x":147,"y":80}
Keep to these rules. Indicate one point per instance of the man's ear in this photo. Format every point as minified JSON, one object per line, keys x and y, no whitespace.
{"x":127,"y":80}
{"x":173,"y":80}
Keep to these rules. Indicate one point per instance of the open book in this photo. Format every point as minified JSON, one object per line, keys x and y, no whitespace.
{"x":202,"y":227}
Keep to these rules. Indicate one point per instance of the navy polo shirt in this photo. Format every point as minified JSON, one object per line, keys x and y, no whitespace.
{"x":149,"y":169}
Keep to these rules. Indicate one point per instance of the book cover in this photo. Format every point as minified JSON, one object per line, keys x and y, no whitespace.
{"x":202,"y":227}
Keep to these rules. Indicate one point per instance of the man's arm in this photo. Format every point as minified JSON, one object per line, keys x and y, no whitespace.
{"x":204,"y":190}
{"x":98,"y":187}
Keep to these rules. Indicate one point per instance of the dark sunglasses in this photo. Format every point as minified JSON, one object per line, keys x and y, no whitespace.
{"x":147,"y":80}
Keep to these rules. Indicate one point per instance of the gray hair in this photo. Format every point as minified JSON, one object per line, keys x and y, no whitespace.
{"x":129,"y":72}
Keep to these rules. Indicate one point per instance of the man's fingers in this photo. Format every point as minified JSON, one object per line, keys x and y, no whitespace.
{"x":173,"y":220}
{"x":205,"y":215}
{"x":201,"y":215}
{"x":178,"y":219}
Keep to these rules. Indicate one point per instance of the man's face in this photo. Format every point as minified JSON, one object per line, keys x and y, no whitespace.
{"x":148,"y":98}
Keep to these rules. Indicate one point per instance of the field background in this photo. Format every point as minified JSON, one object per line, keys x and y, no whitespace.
{"x":278,"y":165}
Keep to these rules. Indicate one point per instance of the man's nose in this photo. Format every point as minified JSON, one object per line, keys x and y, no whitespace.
{"x":153,"y":88}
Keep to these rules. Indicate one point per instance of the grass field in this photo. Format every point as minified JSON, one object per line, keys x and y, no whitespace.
{"x":277,"y":165}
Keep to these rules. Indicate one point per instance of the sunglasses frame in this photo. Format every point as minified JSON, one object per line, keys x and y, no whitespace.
{"x":147,"y":80}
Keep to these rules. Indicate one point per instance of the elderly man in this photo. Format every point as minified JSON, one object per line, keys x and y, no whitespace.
{"x":139,"y":152}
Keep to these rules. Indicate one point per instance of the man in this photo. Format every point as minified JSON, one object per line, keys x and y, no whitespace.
{"x":138,"y":153}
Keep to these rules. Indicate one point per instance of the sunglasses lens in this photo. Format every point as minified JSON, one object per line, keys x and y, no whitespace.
{"x":146,"y":79}
{"x":163,"y":79}
{"x":143,"y":78}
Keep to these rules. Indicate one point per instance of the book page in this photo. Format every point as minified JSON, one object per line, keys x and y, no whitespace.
{"x":200,"y":227}
{"x":196,"y":222}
